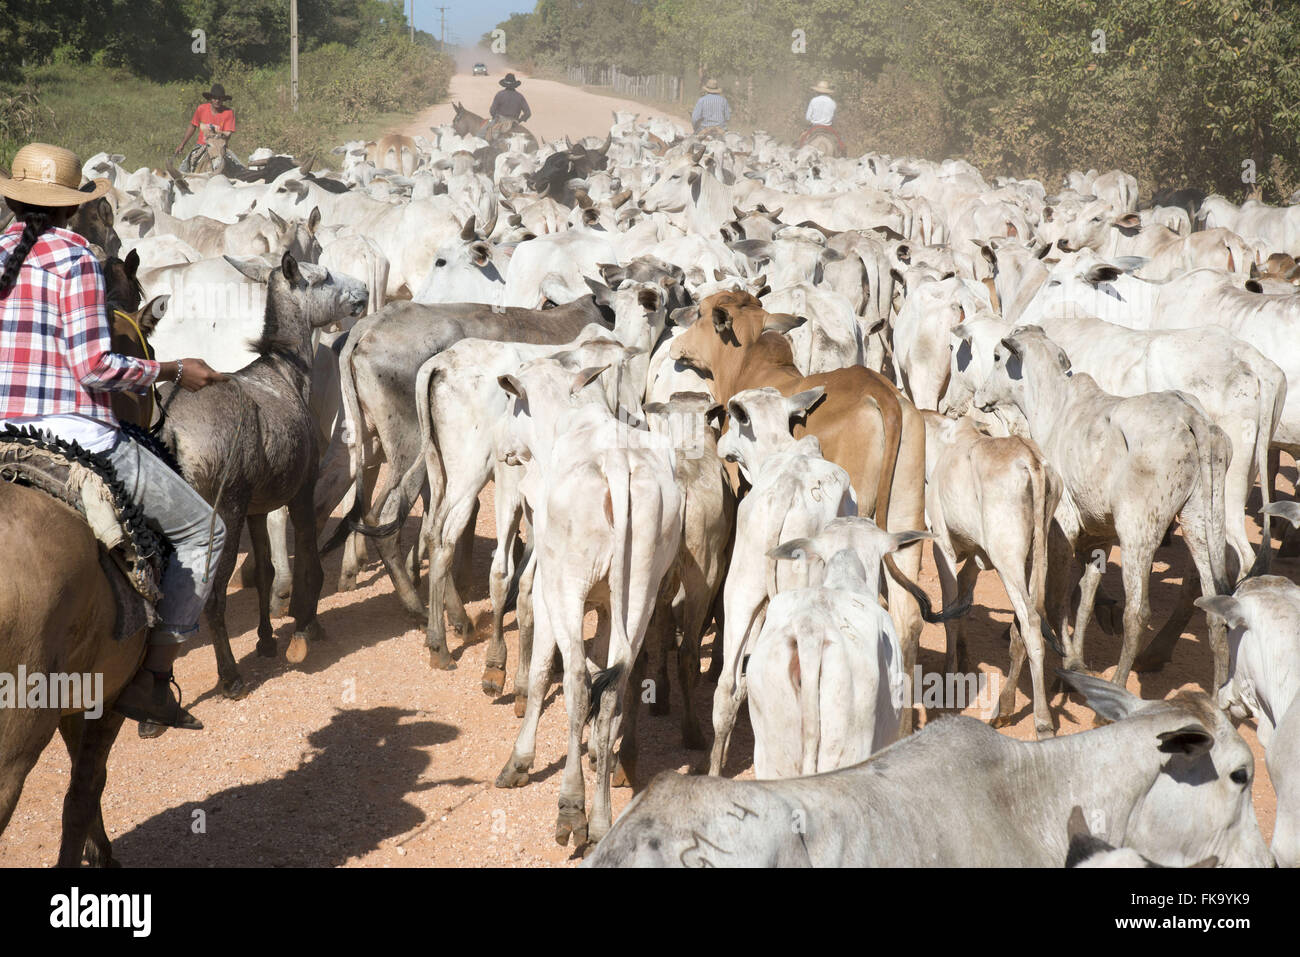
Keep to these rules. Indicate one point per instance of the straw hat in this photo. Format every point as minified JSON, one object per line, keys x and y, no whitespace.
{"x":711,"y":86}
{"x":823,"y":87}
{"x":45,"y":175}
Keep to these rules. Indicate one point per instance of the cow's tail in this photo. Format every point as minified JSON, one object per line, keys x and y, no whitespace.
{"x":808,"y":659}
{"x":1044,"y":494}
{"x":1264,"y":436}
{"x":891,"y":424}
{"x":430,"y":460}
{"x":619,"y":482}
{"x":355,"y":429}
{"x":927,"y":610}
{"x":1212,"y":470}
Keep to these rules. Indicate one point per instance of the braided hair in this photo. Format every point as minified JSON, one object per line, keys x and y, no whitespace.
{"x":35,"y":220}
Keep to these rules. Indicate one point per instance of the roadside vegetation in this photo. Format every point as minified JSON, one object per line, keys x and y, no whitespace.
{"x":1203,"y":93}
{"x":88,"y":92}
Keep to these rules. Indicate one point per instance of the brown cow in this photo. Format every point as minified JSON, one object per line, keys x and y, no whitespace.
{"x":865,"y":426}
{"x":394,"y":151}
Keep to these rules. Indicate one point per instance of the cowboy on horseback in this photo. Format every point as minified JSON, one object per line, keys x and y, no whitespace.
{"x":57,"y":373}
{"x":821,"y":117}
{"x":508,"y":107}
{"x":214,"y":120}
{"x":712,"y":111}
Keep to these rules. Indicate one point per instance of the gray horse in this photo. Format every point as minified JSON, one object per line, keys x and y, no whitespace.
{"x":249,"y":447}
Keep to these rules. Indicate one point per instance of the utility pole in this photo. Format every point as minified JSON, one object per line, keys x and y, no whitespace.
{"x":293,"y":52}
{"x":442,"y":43}
{"x":411,"y":20}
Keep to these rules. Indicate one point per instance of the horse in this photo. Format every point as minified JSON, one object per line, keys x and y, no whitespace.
{"x":57,"y":614}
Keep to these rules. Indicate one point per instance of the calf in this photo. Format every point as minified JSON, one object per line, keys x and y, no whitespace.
{"x":1163,"y":459}
{"x":1169,"y":779}
{"x":1263,"y":618}
{"x":794,"y":492}
{"x":825,"y":674}
{"x":990,"y":503}
{"x":615,"y":555}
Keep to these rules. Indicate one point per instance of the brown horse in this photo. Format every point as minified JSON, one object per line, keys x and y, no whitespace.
{"x":57,"y":614}
{"x":466,"y":123}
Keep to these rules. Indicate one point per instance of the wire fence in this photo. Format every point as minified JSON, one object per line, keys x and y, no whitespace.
{"x":657,"y":86}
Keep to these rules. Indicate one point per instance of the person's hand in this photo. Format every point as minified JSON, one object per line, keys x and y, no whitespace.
{"x":197,"y":374}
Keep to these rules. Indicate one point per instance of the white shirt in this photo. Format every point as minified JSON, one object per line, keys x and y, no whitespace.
{"x":90,"y":435}
{"x":821,"y":111}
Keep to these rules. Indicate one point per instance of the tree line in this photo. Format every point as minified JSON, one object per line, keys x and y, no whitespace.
{"x":1178,"y":92}
{"x":166,"y":40}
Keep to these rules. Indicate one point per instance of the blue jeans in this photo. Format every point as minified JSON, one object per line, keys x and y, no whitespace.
{"x":184,"y":517}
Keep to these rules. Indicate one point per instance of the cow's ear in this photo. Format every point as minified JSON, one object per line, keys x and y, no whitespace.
{"x":694,"y":177}
{"x":612,"y":273}
{"x":721,"y":321}
{"x":899,"y":540}
{"x":313,"y":220}
{"x":783,"y":322}
{"x":1129,"y":221}
{"x":1225,"y":607}
{"x":683,"y":316}
{"x":584,"y":377}
{"x":737,"y":413}
{"x":650,"y":298}
{"x":598,"y":289}
{"x":716,"y":415}
{"x":1104,"y":697}
{"x":1191,"y":739}
{"x":480,"y":254}
{"x":801,"y":403}
{"x":794,"y":550}
{"x":1103,"y":272}
{"x":253,"y":269}
{"x":276,"y":220}
{"x":1286,"y":510}
{"x":511,"y":385}
{"x":1254,"y":285}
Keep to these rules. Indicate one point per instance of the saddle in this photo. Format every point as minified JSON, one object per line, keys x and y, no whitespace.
{"x":132,"y":552}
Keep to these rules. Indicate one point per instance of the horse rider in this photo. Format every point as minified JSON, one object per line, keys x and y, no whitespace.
{"x":57,"y":369}
{"x":213,"y":116}
{"x":712,"y":111}
{"x":821,"y":108}
{"x":508,"y":106}
{"x":821,"y":115}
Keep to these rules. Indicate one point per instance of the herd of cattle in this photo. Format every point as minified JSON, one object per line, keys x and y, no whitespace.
{"x":726,"y":382}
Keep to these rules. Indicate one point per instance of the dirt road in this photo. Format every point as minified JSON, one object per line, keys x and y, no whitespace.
{"x":363,"y":756}
{"x":558,"y":109}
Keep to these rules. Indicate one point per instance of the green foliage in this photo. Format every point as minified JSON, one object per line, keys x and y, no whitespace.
{"x":1185,"y":91}
{"x":91,"y":108}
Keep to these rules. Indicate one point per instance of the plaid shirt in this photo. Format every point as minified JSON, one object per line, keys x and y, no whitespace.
{"x":56,"y":353}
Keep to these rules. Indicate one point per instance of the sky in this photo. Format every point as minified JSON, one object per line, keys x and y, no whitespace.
{"x":467,"y":20}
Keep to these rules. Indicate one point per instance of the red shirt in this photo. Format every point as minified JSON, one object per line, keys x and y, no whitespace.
{"x":224,"y":121}
{"x":56,"y":353}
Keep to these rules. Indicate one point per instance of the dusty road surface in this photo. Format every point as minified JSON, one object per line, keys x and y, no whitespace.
{"x":558,"y":109}
{"x":363,"y":756}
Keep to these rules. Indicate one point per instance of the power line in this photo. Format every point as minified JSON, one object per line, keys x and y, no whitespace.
{"x":442,"y":43}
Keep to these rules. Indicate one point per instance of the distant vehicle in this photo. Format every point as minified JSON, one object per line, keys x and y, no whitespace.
{"x":480,"y":69}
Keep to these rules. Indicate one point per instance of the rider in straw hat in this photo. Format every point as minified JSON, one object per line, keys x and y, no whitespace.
{"x":57,"y":369}
{"x":712,"y":109}
{"x":821,"y":110}
{"x":212,"y":116}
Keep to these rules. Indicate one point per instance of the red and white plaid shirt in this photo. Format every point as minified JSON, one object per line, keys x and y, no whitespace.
{"x":56,"y":354}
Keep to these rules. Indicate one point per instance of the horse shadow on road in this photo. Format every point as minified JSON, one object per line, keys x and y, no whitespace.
{"x":346,"y":797}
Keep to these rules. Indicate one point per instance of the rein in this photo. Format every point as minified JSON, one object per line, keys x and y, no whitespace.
{"x":148,"y":354}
